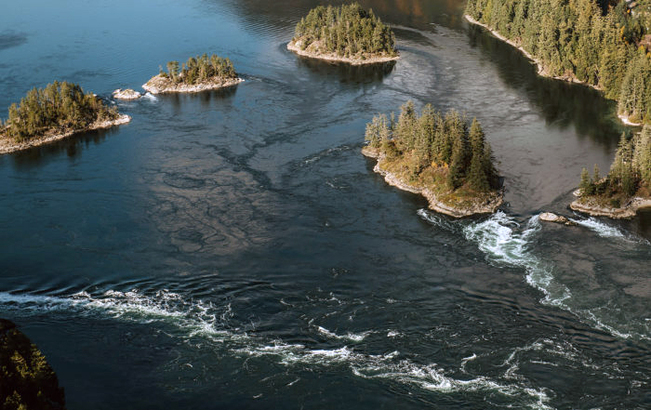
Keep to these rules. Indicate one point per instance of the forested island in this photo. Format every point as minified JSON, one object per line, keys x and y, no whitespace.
{"x":604,"y":44}
{"x":437,"y":156}
{"x":199,"y":73}
{"x":52,"y":113}
{"x":347,"y":33}
{"x":626,"y":188}
{"x":27,"y":382}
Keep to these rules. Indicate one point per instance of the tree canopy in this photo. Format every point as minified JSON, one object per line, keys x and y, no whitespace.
{"x":602,"y":43}
{"x":200,"y":69}
{"x":27,"y":382}
{"x":630,"y":172}
{"x":433,"y":142}
{"x":348,"y":30}
{"x":59,"y":107}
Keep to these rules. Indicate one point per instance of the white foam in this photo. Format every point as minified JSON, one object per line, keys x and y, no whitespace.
{"x":504,"y":242}
{"x":387,"y":366}
{"x":193,"y":317}
{"x":352,"y":337}
{"x":600,"y":228}
{"x":436,"y":219}
{"x":150,"y":96}
{"x":199,"y":318}
{"x":465,"y":360}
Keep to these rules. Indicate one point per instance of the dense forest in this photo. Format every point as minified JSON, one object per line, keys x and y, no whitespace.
{"x":200,"y":69}
{"x":630,"y":173}
{"x":58,"y":108}
{"x":435,"y":149}
{"x":602,"y":43}
{"x":348,"y":30}
{"x":27,"y":382}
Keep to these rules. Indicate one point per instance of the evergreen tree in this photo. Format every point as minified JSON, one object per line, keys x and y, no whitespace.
{"x":58,"y":108}
{"x":642,"y":156}
{"x":586,"y":184}
{"x":443,"y":145}
{"x":480,"y":167}
{"x":173,"y":70}
{"x":348,"y":30}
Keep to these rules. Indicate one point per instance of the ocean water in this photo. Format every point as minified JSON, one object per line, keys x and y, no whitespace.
{"x":234,"y":249}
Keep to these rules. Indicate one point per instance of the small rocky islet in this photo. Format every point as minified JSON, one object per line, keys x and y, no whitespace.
{"x":349,"y":34}
{"x":201,"y":73}
{"x":438,"y":156}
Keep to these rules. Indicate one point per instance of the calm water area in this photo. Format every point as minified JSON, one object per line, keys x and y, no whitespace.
{"x":234,"y":250}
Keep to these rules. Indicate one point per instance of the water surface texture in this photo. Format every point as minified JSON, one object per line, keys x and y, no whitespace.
{"x":234,"y":249}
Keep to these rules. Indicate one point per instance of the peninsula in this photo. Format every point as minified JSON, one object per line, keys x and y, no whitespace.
{"x":347,"y":34}
{"x":53,"y":113}
{"x":198,"y":74}
{"x":626,"y":188}
{"x":438,"y":157}
{"x":601,"y":44}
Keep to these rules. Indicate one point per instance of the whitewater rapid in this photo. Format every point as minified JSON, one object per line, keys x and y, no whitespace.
{"x":507,"y":242}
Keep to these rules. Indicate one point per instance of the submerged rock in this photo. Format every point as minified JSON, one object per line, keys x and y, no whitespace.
{"x":127,"y":94}
{"x":26,"y":379}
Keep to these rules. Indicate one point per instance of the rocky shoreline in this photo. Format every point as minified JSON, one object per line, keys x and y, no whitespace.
{"x":295,"y":47}
{"x":629,"y":210}
{"x":8,"y":146}
{"x":160,"y":85}
{"x":487,"y":207}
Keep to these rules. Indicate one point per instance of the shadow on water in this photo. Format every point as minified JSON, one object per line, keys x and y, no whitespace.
{"x":72,"y":146}
{"x":205,"y":97}
{"x":414,"y":13}
{"x":561,"y":104}
{"x":346,"y":73}
{"x":642,"y":223}
{"x":10,"y":38}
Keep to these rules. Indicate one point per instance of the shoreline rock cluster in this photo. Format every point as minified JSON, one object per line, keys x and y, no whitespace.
{"x":627,"y":211}
{"x":552,"y":217}
{"x":128,"y":94}
{"x":8,"y":146}
{"x":488,"y":207}
{"x":296,"y":48}
{"x":160,"y":85}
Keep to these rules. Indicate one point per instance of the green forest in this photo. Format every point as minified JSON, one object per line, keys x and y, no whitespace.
{"x":27,"y":382}
{"x":57,"y":108}
{"x":601,"y":43}
{"x":348,"y":30}
{"x":630,"y":173}
{"x":435,"y":150}
{"x":200,"y":69}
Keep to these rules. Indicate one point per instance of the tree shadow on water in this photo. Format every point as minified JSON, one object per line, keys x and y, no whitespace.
{"x":206,"y":98}
{"x":72,"y":146}
{"x":560,"y":103}
{"x":346,"y":73}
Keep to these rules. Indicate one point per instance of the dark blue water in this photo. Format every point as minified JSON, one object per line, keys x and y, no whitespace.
{"x":233,"y":249}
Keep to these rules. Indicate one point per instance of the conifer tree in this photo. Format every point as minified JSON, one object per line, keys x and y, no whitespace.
{"x":586,"y":184}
